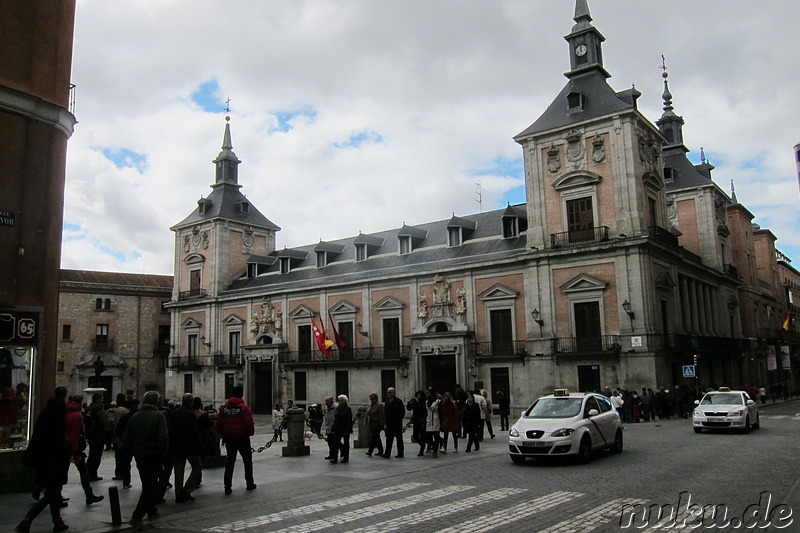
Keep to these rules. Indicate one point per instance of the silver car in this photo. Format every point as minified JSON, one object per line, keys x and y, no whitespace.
{"x":725,"y":409}
{"x":566,"y":423}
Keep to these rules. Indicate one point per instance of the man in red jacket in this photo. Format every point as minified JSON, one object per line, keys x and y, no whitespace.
{"x":235,"y":424}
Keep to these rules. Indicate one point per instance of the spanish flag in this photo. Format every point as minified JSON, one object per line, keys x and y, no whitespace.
{"x":787,"y":321}
{"x":323,"y":342}
{"x":339,"y":341}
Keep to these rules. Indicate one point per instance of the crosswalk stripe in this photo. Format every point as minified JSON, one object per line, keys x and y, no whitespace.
{"x":366,"y":512}
{"x":308,"y":509}
{"x":498,"y":519}
{"x":593,"y":518}
{"x":438,"y":512}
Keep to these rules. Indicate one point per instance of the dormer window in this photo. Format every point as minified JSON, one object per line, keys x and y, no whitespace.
{"x":285,"y":265}
{"x":454,"y":236}
{"x":405,"y":244}
{"x":203,"y":205}
{"x":322,"y":259}
{"x":244,"y":207}
{"x":361,"y":252}
{"x":575,"y":101}
{"x":669,"y":174}
{"x":510,"y":227}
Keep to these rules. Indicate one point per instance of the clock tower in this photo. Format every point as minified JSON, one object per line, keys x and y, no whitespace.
{"x":585,"y":44}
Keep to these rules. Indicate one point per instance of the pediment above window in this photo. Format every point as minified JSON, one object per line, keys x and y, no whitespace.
{"x":583,"y":282}
{"x":389,"y":304}
{"x":302,"y":311}
{"x":190,"y":323}
{"x":194,"y":258}
{"x":578,"y":178}
{"x":497,"y":292}
{"x":653,"y":180}
{"x":233,"y":320}
{"x":665,"y":281}
{"x":343,"y":307}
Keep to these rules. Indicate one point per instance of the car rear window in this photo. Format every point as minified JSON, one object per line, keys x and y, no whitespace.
{"x":554,"y":408}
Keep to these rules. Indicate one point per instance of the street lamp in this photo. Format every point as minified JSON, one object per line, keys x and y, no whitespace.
{"x":626,"y":306}
{"x":537,"y":317}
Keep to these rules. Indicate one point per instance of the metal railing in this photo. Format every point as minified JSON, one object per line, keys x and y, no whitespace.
{"x":228,"y":359}
{"x":371,"y":353}
{"x":582,"y":345}
{"x":581,"y":237}
{"x":497,"y":349}
{"x":190,"y":361}
{"x":663,"y":236}
{"x":192,"y":294}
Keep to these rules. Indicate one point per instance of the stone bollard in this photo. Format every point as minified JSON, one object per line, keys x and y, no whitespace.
{"x":295,"y":434}
{"x":364,"y":433}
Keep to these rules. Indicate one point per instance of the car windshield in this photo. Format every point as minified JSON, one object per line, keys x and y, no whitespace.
{"x":555,"y":408}
{"x":722,"y":399}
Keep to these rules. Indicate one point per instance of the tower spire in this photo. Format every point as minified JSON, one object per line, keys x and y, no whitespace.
{"x":670,"y":124}
{"x":227,"y":163}
{"x":586,"y":54}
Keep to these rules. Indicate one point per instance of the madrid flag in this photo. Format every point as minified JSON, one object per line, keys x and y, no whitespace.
{"x":323,"y":342}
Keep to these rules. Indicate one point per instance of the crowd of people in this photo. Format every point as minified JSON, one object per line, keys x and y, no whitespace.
{"x":435,"y":419}
{"x":158,"y":436}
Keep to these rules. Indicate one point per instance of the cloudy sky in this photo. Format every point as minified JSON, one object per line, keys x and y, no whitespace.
{"x":361,"y":115}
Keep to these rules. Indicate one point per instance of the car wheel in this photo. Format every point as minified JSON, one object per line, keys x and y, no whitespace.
{"x":616,"y":447}
{"x":585,"y":450}
{"x":757,"y":425}
{"x":698,"y":430}
{"x":747,"y":424}
{"x":518,"y":459}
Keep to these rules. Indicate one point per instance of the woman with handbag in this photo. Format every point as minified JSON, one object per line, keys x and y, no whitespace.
{"x":375,"y":419}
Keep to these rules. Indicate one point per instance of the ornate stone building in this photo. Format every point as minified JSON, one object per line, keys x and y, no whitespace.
{"x":616,"y":271}
{"x":114,"y":332}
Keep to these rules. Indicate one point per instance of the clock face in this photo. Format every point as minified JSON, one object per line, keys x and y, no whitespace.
{"x":580,"y":50}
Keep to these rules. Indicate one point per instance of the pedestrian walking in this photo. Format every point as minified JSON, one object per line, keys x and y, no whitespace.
{"x":96,"y":434}
{"x":327,"y":423}
{"x":48,"y":453}
{"x":433,"y":422}
{"x":116,"y":417}
{"x":342,"y":428}
{"x":185,"y":444}
{"x":472,"y":422}
{"x":375,"y":419}
{"x":147,"y":439}
{"x":481,"y":401}
{"x":77,"y":443}
{"x":277,"y":421}
{"x":235,"y":424}
{"x":419,"y":413}
{"x":504,"y":407}
{"x":395,"y":415}
{"x":489,"y":413}
{"x":451,"y":423}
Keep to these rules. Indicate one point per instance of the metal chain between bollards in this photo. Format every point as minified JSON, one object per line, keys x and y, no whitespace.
{"x":274,"y":439}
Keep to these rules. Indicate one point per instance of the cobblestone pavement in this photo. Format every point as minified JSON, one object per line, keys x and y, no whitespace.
{"x":664,"y":463}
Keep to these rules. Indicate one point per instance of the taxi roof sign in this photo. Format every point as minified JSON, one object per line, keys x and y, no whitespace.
{"x":561,"y":392}
{"x":724,"y":389}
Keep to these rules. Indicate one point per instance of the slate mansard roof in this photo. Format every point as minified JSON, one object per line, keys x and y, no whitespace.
{"x":430,"y":249}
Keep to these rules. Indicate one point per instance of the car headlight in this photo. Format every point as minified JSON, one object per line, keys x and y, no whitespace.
{"x":563,"y":432}
{"x":697,"y":413}
{"x":736,"y":412}
{"x":513,"y":432}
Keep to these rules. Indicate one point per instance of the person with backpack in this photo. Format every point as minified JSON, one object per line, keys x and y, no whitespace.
{"x":235,"y":424}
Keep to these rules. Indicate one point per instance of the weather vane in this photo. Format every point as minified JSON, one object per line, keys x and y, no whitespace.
{"x":663,"y":66}
{"x":228,"y":109}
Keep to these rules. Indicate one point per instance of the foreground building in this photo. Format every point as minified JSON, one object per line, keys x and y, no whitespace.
{"x":616,"y":271}
{"x":35,"y":124}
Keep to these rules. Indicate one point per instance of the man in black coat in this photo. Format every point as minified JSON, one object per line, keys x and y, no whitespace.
{"x":185,"y":445}
{"x":342,"y":428}
{"x":48,"y":452}
{"x":395,"y":414}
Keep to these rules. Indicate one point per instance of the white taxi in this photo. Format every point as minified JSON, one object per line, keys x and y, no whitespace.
{"x":725,"y":409}
{"x":566,"y":423}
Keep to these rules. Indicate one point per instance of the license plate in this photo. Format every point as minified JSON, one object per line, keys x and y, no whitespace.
{"x":535,"y":444}
{"x":716,"y":419}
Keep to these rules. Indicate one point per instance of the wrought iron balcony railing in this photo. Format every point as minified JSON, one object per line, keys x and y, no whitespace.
{"x":568,"y":239}
{"x":372,"y":353}
{"x":103,"y":345}
{"x":228,"y":359}
{"x":192,"y":294}
{"x":586,"y":345}
{"x":498,"y":349}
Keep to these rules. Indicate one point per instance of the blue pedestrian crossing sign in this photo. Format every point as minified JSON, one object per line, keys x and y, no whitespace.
{"x":688,"y":371}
